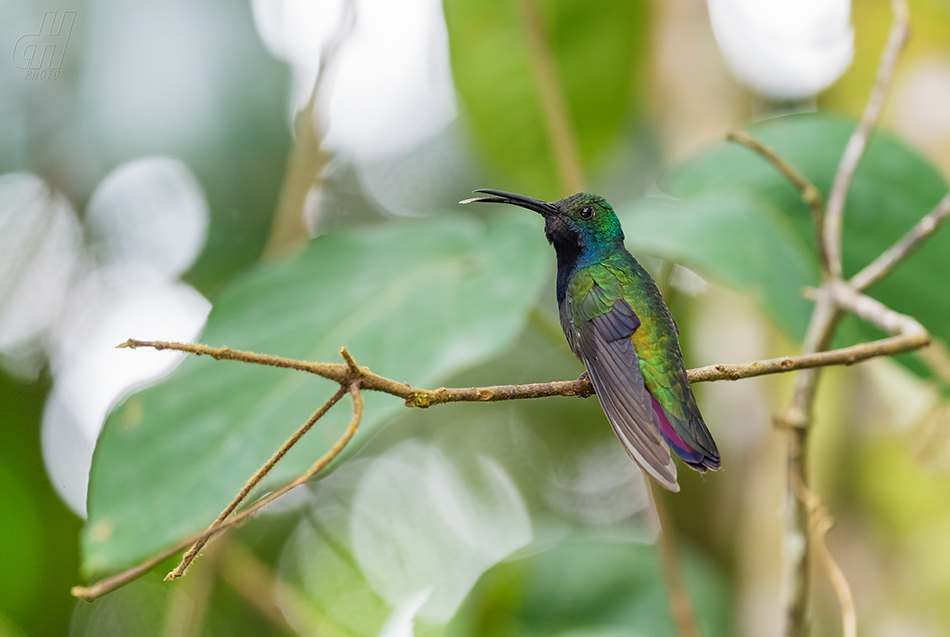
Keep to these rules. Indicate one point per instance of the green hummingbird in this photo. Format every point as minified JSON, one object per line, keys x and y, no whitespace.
{"x":618,"y":325}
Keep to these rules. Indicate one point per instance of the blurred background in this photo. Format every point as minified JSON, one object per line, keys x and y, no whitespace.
{"x":282,"y":176}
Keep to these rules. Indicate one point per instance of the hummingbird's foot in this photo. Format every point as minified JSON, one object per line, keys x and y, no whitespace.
{"x":584,"y":376}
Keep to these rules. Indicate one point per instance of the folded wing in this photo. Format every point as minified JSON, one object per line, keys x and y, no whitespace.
{"x":603,"y":344}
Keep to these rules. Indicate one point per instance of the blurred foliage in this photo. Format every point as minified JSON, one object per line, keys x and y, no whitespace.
{"x":464,"y":298}
{"x":892,"y":189}
{"x":596,"y":53}
{"x":39,"y":549}
{"x":588,"y":586}
{"x":701,"y":230}
{"x":419,"y":301}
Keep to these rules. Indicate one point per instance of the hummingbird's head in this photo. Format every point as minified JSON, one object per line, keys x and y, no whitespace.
{"x":579,"y":226}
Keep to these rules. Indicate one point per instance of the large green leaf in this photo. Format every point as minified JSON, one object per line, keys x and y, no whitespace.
{"x":595,"y":47}
{"x":892,"y":189}
{"x":592,"y":587}
{"x":416,"y":302}
{"x":736,"y":238}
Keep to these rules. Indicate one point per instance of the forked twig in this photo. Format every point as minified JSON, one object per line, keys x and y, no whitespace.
{"x":259,"y":475}
{"x":810,"y":193}
{"x":115,"y":581}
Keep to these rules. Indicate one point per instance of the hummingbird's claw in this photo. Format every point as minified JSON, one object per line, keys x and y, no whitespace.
{"x":584,"y":376}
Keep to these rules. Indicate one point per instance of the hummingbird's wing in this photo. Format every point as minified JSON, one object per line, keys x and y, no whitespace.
{"x":602,"y":342}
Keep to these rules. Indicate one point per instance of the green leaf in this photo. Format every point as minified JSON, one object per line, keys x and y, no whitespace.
{"x":416,"y":302}
{"x":590,"y":587}
{"x":738,"y":239}
{"x":595,"y":47}
{"x":892,"y":189}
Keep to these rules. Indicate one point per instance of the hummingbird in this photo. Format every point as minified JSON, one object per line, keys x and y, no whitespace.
{"x":618,"y":325}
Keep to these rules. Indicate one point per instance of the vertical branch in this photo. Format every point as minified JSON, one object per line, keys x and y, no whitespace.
{"x":797,"y":420}
{"x":798,"y":417}
{"x":557,"y":118}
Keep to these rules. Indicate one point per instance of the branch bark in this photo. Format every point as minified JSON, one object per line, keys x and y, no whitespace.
{"x":418,"y":397}
{"x":821,"y":523}
{"x":796,"y":420}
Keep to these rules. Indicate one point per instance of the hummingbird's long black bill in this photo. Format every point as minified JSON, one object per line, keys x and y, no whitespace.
{"x":500,"y":196}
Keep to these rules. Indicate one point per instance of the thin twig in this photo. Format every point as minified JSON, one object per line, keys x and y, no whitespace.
{"x":115,"y":581}
{"x":417,"y":397}
{"x":906,"y":246}
{"x":810,"y":193}
{"x":249,"y":486}
{"x":553,"y":102}
{"x":859,"y":139}
{"x":821,"y":523}
{"x":834,"y":297}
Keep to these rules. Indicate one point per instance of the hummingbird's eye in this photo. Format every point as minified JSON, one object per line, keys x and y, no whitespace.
{"x":587,"y":212}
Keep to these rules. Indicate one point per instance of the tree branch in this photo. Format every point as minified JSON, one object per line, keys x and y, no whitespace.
{"x":906,"y":246}
{"x":415,"y":397}
{"x":810,"y":193}
{"x":858,"y":141}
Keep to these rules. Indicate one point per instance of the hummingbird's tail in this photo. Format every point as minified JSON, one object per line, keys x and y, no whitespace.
{"x":691,"y":440}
